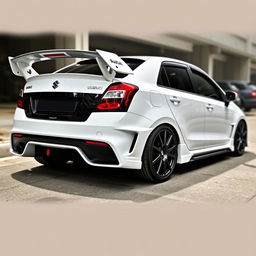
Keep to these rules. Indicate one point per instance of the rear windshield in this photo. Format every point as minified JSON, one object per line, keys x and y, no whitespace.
{"x":91,"y":67}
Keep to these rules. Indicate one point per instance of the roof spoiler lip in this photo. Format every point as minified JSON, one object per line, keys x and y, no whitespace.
{"x":108,"y":62}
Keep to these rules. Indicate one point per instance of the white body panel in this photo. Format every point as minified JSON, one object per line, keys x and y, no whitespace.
{"x":199,"y":130}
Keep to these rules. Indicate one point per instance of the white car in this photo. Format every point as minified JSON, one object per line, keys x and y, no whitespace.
{"x":145,"y":113}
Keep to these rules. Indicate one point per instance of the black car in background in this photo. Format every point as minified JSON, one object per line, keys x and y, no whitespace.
{"x":247,"y":92}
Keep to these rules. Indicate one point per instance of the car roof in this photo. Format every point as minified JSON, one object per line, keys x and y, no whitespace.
{"x":162,"y":59}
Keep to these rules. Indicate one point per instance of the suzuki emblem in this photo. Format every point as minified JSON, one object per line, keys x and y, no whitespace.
{"x":55,"y":84}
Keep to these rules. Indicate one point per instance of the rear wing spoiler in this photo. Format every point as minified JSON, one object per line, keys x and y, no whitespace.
{"x":108,"y":62}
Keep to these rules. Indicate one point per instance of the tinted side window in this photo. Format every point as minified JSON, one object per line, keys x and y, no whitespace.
{"x":175,"y":77}
{"x":204,"y":87}
{"x":162,"y":78}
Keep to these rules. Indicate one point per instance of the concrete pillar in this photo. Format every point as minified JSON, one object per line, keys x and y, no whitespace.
{"x":82,"y":41}
{"x":203,"y":57}
{"x":238,"y":68}
{"x":78,"y":41}
{"x":64,"y":42}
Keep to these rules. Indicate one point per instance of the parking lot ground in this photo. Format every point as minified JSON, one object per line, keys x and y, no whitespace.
{"x":217,"y":180}
{"x":6,"y":119}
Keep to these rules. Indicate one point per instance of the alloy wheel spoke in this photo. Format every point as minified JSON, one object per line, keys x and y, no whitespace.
{"x":165,"y":137}
{"x":161,"y":141}
{"x":165,"y":167}
{"x":239,"y":144}
{"x":157,"y":158}
{"x":158,"y":149}
{"x":171,"y":148}
{"x":169,"y":140}
{"x":159,"y":167}
{"x":171,"y":155}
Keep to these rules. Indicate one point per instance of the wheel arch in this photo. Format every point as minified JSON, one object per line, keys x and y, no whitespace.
{"x":172,"y":124}
{"x":173,"y":128}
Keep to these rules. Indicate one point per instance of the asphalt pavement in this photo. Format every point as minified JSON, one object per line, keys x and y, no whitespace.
{"x":220,"y":179}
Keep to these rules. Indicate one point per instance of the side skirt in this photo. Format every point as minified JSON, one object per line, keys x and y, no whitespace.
{"x":209,"y":154}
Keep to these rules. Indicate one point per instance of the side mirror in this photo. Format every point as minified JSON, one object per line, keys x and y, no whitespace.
{"x":230,"y":96}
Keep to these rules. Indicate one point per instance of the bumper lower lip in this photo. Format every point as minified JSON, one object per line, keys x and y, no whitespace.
{"x":95,"y":153}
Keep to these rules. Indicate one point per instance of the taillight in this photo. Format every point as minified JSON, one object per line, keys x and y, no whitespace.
{"x":17,"y":135}
{"x":253,"y":94}
{"x":20,"y":99}
{"x":118,"y":97}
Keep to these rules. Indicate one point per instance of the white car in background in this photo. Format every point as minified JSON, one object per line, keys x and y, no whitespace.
{"x":145,"y":113}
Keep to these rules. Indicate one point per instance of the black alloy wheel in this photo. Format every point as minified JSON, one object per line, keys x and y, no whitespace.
{"x":240,"y":139}
{"x":160,"y":154}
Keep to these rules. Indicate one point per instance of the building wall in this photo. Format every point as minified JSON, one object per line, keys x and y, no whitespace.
{"x":223,"y":56}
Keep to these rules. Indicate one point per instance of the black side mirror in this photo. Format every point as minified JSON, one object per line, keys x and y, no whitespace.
{"x":230,"y":96}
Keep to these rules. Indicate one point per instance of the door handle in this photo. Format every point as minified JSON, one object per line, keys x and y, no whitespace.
{"x":209,"y":107}
{"x":175,"y":100}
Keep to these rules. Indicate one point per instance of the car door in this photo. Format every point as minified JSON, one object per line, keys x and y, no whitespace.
{"x":218,"y":117}
{"x":175,"y":84}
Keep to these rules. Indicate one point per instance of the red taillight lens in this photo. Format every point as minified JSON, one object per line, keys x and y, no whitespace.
{"x":253,"y":94}
{"x":20,"y":99}
{"x":108,"y":105}
{"x":97,"y":143}
{"x":20,"y":103}
{"x":117,"y":97}
{"x":17,"y":135}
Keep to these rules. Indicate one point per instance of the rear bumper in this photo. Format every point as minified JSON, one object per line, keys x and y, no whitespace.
{"x":125,"y":133}
{"x":99,"y":154}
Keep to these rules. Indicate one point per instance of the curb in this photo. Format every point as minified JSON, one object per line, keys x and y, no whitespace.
{"x":5,"y":149}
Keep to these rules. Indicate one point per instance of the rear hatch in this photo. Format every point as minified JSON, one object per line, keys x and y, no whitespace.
{"x":67,"y":97}
{"x":74,"y":91}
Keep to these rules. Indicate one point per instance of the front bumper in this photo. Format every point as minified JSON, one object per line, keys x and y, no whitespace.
{"x":125,"y":133}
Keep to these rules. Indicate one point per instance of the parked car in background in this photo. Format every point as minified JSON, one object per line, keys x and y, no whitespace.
{"x":226,"y":86}
{"x":247,"y":93}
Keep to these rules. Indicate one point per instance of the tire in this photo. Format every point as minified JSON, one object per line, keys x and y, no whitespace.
{"x":57,"y":158}
{"x":247,"y":109}
{"x":240,"y":138}
{"x":160,"y":155}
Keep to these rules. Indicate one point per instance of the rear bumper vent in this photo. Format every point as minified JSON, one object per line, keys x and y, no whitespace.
{"x":61,"y":106}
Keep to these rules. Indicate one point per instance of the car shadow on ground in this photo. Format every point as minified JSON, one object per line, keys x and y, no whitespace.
{"x":119,"y":184}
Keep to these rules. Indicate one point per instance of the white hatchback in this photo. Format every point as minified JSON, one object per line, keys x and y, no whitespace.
{"x":146,"y":113}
